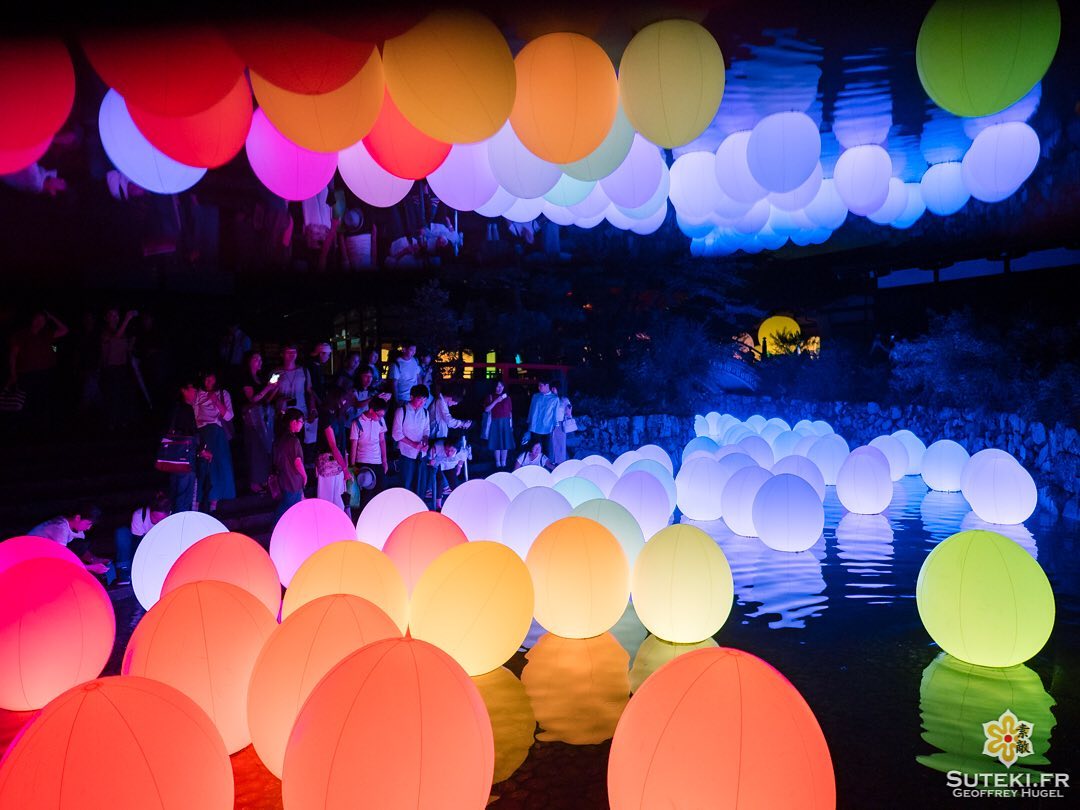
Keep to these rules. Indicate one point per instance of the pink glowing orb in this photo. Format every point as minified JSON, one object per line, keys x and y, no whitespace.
{"x":288,"y":170}
{"x":384,"y":512}
{"x":368,"y":180}
{"x":304,"y":529}
{"x":16,"y":550}
{"x":418,"y":540}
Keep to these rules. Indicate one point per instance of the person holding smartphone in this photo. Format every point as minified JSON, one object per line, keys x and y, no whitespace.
{"x":258,"y":420}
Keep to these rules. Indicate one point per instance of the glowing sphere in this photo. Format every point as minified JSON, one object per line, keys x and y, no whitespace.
{"x":624,"y":460}
{"x":915,"y":450}
{"x":695,"y":191}
{"x":645,"y":498}
{"x":210,"y":138}
{"x":325,"y":122}
{"x":1000,"y":490}
{"x":733,"y":172}
{"x":700,"y":484}
{"x":474,"y":602}
{"x":288,"y":170}
{"x":356,"y":569}
{"x":655,"y":652}
{"x":37,"y":89}
{"x":500,"y":202}
{"x":518,"y":170}
{"x":783,"y":443}
{"x":658,"y":454}
{"x":384,"y":512}
{"x":682,"y":585}
{"x":569,"y":191}
{"x":978,"y":459}
{"x":533,"y":475}
{"x":398,"y":722}
{"x":581,"y":577}
{"x":203,"y":638}
{"x":420,"y":539}
{"x":976,"y":58}
{"x":737,"y":500}
{"x":798,"y":198}
{"x":298,"y":653}
{"x":615,"y":518}
{"x":783,"y":150}
{"x":304,"y":529}
{"x":863,"y":483}
{"x":525,"y":210}
{"x":368,"y":180}
{"x":530,"y":513}
{"x":513,"y":724}
{"x":895,"y":203}
{"x":566,"y":469}
{"x":477,"y":507}
{"x":671,"y":80}
{"x":805,"y":469}
{"x":603,"y":477}
{"x":827,"y":209}
{"x":399,"y":147}
{"x":985,"y":600}
{"x":474,"y":93}
{"x":611,"y":152}
{"x":914,"y":209}
{"x":509,"y":483}
{"x":135,"y":156}
{"x":822,"y":428}
{"x":16,"y":550}
{"x":862,"y":178}
{"x":661,"y":474}
{"x":788,"y":514}
{"x":228,"y":557}
{"x":300,"y":57}
{"x":895,"y":453}
{"x":942,"y":464}
{"x":697,"y":444}
{"x":56,"y":630}
{"x":828,"y":453}
{"x":1000,"y":159}
{"x":637,"y":177}
{"x":758,"y":449}
{"x":673,"y":747}
{"x":14,"y":160}
{"x":597,"y":459}
{"x":174,"y":71}
{"x":577,"y":490}
{"x":566,"y":97}
{"x":943,"y":189}
{"x":168,"y":751}
{"x":464,"y":180}
{"x":162,"y":546}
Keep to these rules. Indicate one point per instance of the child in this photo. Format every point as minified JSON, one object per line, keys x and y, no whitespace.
{"x":289,"y":461}
{"x":447,"y":461}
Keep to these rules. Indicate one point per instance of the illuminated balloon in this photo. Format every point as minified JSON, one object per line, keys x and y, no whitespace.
{"x":304,"y":529}
{"x":37,"y":89}
{"x":895,"y":453}
{"x":288,"y":170}
{"x":396,"y":145}
{"x":644,"y":497}
{"x":384,"y":512}
{"x":658,"y":454}
{"x":985,"y":600}
{"x":203,"y":638}
{"x":978,"y":459}
{"x":616,"y":519}
{"x":1000,"y":159}
{"x":699,"y":443}
{"x":783,"y":150}
{"x":661,"y":474}
{"x":758,"y":449}
{"x":569,"y":191}
{"x":566,"y":469}
{"x":827,"y":209}
{"x":368,"y":180}
{"x":828,"y":453}
{"x":525,"y":210}
{"x":228,"y":557}
{"x":788,"y":514}
{"x":513,"y":724}
{"x":474,"y":602}
{"x":655,"y":652}
{"x":695,"y":191}
{"x":518,"y":170}
{"x":682,"y":585}
{"x":700,"y":484}
{"x":862,"y":178}
{"x":737,"y":499}
{"x":16,"y":550}
{"x":637,"y":177}
{"x":452,"y":75}
{"x":325,"y":122}
{"x":603,"y":477}
{"x":611,"y":152}
{"x":895,"y":203}
{"x":162,"y":546}
{"x":799,"y":198}
{"x":298,"y":653}
{"x":299,"y":57}
{"x":135,"y":156}
{"x":500,"y":202}
{"x":171,"y":71}
{"x":1001,"y":491}
{"x":943,"y":189}
{"x":942,"y":464}
{"x":581,"y":577}
{"x":418,"y":540}
{"x":733,"y":172}
{"x":356,"y":569}
{"x":464,"y":180}
{"x":57,"y":629}
{"x":671,"y":80}
{"x":597,"y":459}
{"x":15,"y":160}
{"x":168,"y":751}
{"x":534,"y":476}
{"x":210,"y":138}
{"x":566,"y":98}
{"x":914,"y":209}
{"x":477,"y":507}
{"x":530,"y":513}
{"x":510,"y":484}
{"x":656,"y":202}
{"x":863,"y":483}
{"x":783,"y":444}
{"x":976,"y":58}
{"x":577,"y":490}
{"x":674,"y":746}
{"x":915,"y":450}
{"x":624,"y":460}
{"x":804,"y":468}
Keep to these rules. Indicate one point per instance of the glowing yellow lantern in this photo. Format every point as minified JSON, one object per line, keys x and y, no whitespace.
{"x":418,"y":540}
{"x":779,"y":334}
{"x":581,"y":577}
{"x":474,"y":602}
{"x":452,"y":76}
{"x":229,"y":557}
{"x":671,"y":80}
{"x":203,"y":639}
{"x":513,"y":723}
{"x":299,"y":652}
{"x":682,"y":585}
{"x":985,"y":600}
{"x":351,"y":568}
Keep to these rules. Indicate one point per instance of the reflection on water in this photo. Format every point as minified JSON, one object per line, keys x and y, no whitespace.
{"x":864,"y":544}
{"x":942,"y":513}
{"x":655,"y":652}
{"x":1017,"y":533}
{"x":513,"y":723}
{"x":956,"y":698}
{"x":629,"y":631}
{"x":907,"y":498}
{"x":578,"y":687}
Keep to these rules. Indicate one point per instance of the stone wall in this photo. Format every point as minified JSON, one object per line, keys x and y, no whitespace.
{"x":1050,"y":453}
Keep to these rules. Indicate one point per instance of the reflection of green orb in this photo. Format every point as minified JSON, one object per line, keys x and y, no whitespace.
{"x":956,"y":698}
{"x":976,"y":57}
{"x":985,"y":600}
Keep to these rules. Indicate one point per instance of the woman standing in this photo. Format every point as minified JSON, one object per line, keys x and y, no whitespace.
{"x":501,"y":432}
{"x":563,"y":411}
{"x":258,"y":419}
{"x":213,"y":417}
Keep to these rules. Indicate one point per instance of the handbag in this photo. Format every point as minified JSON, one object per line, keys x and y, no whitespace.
{"x":569,"y":425}
{"x":176,"y":454}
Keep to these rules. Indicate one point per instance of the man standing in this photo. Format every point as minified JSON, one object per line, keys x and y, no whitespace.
{"x":542,"y":411}
{"x":405,"y":372}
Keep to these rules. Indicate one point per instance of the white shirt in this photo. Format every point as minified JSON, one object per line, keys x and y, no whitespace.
{"x":443,"y":420}
{"x":411,"y":423}
{"x":207,"y":411}
{"x":57,"y":529}
{"x":525,"y":460}
{"x":404,"y":373}
{"x":364,"y":434}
